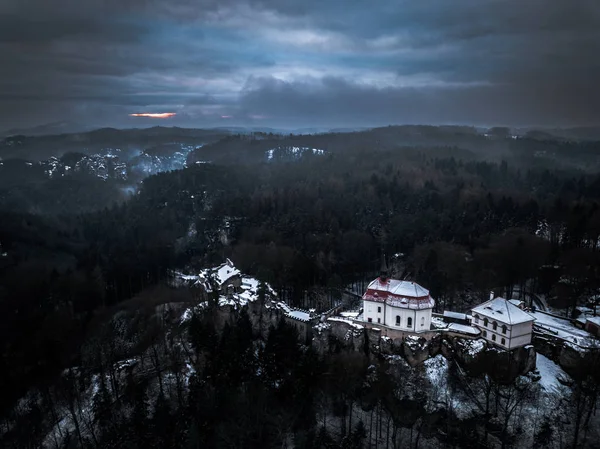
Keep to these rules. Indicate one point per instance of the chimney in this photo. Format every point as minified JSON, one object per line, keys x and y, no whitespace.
{"x":491,"y":295}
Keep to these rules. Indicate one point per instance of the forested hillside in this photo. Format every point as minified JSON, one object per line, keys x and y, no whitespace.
{"x":474,"y":214}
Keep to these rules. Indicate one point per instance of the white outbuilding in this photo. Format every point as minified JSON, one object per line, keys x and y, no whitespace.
{"x":503,"y":323}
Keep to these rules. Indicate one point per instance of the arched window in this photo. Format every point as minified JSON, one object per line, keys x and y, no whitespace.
{"x":495,"y":325}
{"x":503,"y":341}
{"x":493,"y":337}
{"x":476,"y":318}
{"x":485,"y":333}
{"x":485,"y":322}
{"x":397,"y":320}
{"x":504,"y":330}
{"x":409,"y":322}
{"x":422,"y":321}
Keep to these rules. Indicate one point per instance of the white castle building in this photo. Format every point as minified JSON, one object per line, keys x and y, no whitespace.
{"x":401,"y":305}
{"x":503,"y":323}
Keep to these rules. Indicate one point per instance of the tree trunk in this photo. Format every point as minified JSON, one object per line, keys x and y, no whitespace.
{"x":371,"y":428}
{"x":76,"y":423}
{"x":157,"y":367}
{"x":343,"y":421}
{"x":350,"y":418}
{"x":577,"y":425}
{"x":380,"y":422}
{"x":418,"y":437}
{"x":387,"y":434}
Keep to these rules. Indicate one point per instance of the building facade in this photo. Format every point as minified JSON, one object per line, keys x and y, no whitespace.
{"x":592,"y":325}
{"x":503,"y":324}
{"x":401,"y":305}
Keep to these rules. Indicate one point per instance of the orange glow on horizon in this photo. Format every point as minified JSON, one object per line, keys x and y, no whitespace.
{"x":154,"y":115}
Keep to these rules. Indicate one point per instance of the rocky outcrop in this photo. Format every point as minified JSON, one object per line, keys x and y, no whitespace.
{"x":416,"y":350}
{"x":263,"y":316}
{"x":469,"y":352}
{"x":569,"y":356}
{"x":474,"y":355}
{"x":331,"y":337}
{"x":478,"y":357}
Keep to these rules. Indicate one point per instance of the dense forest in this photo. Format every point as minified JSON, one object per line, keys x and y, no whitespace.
{"x":458,"y":211}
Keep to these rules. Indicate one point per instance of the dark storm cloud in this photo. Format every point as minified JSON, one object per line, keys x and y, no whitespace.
{"x":310,"y":62}
{"x":44,"y":30}
{"x":334,"y":101}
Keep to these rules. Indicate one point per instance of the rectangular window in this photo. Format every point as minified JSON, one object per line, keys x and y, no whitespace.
{"x":397,"y":320}
{"x":370,"y":320}
{"x":379,"y":320}
{"x":378,"y":309}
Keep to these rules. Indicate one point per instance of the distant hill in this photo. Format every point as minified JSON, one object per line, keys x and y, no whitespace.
{"x":130,"y":141}
{"x":47,"y":129}
{"x":577,"y":134}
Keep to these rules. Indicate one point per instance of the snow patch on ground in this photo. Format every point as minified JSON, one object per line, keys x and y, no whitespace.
{"x":474,"y":347}
{"x":550,"y":372}
{"x":438,"y":323}
{"x":189,"y":312}
{"x":436,"y":370}
{"x":321,"y":327}
{"x":291,"y":152}
{"x":347,"y":321}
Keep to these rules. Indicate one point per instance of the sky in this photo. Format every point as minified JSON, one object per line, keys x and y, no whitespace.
{"x":301,"y":63}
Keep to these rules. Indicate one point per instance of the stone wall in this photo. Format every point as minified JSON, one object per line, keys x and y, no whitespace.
{"x":475,"y":355}
{"x":397,"y":333}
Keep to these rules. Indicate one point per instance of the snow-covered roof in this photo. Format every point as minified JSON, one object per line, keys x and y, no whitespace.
{"x":249,"y":283}
{"x":295,"y":314}
{"x":220,"y":274}
{"x":516,"y":302}
{"x":462,"y":328}
{"x":502,"y":310}
{"x":225,"y":271}
{"x":455,"y":315}
{"x":407,"y":289}
{"x":593,"y":319}
{"x":298,"y":315}
{"x":403,"y":294}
